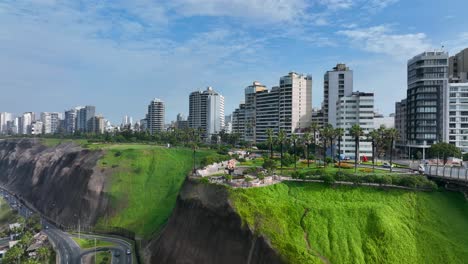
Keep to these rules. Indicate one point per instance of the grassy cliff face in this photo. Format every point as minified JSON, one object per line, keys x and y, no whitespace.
{"x":144,"y":183}
{"x":314,"y":223}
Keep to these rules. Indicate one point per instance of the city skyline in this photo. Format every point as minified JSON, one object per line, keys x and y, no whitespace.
{"x":117,"y":66}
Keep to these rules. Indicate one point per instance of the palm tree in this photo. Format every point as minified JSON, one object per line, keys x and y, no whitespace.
{"x":326,"y":133}
{"x":339,"y":133}
{"x":392,"y":136}
{"x":357,"y":132}
{"x":307,"y":139}
{"x":294,"y":139}
{"x":281,"y":138}
{"x":314,"y":127}
{"x":331,"y":139}
{"x":270,"y":140}
{"x":374,"y":137}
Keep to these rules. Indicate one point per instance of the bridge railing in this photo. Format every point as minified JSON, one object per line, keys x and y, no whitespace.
{"x":455,"y":173}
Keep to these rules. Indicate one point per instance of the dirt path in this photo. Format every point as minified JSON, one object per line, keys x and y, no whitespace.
{"x":306,"y":238}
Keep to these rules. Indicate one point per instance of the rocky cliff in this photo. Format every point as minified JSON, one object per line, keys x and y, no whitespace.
{"x":204,"y":228}
{"x":62,"y":182}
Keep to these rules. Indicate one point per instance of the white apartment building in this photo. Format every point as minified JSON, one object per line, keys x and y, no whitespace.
{"x":4,"y":119}
{"x":267,"y":114}
{"x":37,"y":127}
{"x":358,"y":108}
{"x":24,"y":123}
{"x":50,"y":122}
{"x":250,"y":110}
{"x":155,"y":117}
{"x":206,"y":111}
{"x":295,"y":102}
{"x":458,"y":115}
{"x":336,"y":84}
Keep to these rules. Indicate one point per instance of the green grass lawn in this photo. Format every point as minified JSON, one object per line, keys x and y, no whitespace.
{"x":89,"y":243}
{"x":145,"y":182}
{"x":53,"y":142}
{"x":314,"y":223}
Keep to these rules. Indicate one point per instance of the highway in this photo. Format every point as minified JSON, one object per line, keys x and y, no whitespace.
{"x":67,"y":249}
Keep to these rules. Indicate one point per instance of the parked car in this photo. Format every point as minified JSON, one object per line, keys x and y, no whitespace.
{"x":387,"y":165}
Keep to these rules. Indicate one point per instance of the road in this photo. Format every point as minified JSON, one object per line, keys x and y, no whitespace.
{"x":67,"y":249}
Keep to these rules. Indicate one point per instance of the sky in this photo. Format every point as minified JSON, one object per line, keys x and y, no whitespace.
{"x":120,"y":54}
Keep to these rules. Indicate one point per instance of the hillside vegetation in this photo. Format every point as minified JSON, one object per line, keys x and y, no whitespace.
{"x":315,"y":223}
{"x":144,"y":183}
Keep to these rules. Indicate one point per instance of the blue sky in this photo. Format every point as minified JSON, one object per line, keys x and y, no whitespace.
{"x":119,"y":54}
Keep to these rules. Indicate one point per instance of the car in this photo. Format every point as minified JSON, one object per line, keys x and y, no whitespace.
{"x":387,"y":165}
{"x":128,"y":251}
{"x":116,"y":253}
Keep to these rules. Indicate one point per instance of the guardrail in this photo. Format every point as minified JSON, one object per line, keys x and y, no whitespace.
{"x":452,"y":173}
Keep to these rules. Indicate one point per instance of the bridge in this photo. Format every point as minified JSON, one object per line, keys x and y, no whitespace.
{"x":452,"y":174}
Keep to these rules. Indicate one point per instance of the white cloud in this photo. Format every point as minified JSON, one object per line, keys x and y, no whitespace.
{"x":381,"y":39}
{"x":259,"y":10}
{"x":337,"y":4}
{"x":459,"y":43}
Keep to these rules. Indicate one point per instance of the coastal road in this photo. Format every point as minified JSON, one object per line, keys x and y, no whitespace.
{"x":67,"y":249}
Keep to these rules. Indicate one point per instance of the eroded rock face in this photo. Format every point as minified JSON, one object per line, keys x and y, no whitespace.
{"x":62,"y":182}
{"x":204,"y":228}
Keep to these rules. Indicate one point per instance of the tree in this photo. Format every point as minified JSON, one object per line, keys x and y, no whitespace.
{"x":294,"y":139}
{"x":445,"y":150}
{"x":392,"y":135}
{"x":356,"y":132}
{"x":465,"y":157}
{"x":269,"y":165}
{"x":281,"y":138}
{"x":307,"y":139}
{"x":270,"y":140}
{"x":373,"y":136}
{"x":339,"y":133}
{"x":314,"y":128}
{"x":326,"y":133}
{"x":43,"y":253}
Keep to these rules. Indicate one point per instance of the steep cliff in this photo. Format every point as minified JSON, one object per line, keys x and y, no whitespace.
{"x":62,"y":182}
{"x":204,"y":228}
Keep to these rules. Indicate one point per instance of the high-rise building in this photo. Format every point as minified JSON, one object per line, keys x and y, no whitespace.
{"x":50,"y":122}
{"x":251,"y":92}
{"x":336,"y":84}
{"x":295,"y":102}
{"x":458,"y":67}
{"x":155,"y":117}
{"x":228,"y":124}
{"x":358,"y":108}
{"x":83,"y":115}
{"x":238,"y":120}
{"x":181,"y":122}
{"x":70,"y":121}
{"x":24,"y":123}
{"x":400,"y":121}
{"x":386,"y":121}
{"x":96,"y":125}
{"x":206,"y":111}
{"x":37,"y":128}
{"x":4,"y":119}
{"x":318,"y":117}
{"x":267,"y":113}
{"x":426,"y":118}
{"x":458,"y":115}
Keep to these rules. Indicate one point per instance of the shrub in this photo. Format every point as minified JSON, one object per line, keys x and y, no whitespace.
{"x":328,"y":179}
{"x":228,"y":177}
{"x":366,"y":170}
{"x":287,"y":159}
{"x":370,"y":178}
{"x":269,"y":164}
{"x":295,"y":175}
{"x":344,"y":165}
{"x":251,"y":170}
{"x":383,"y":180}
{"x":204,"y":180}
{"x":328,"y":160}
{"x":261,"y":176}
